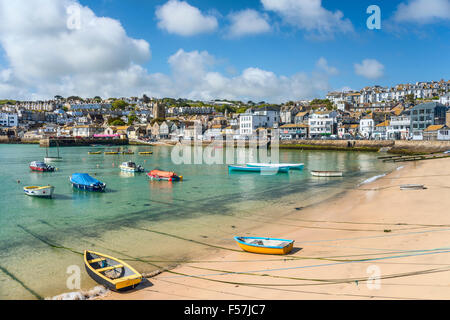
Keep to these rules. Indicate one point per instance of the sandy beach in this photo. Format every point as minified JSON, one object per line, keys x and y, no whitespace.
{"x":372,"y":242}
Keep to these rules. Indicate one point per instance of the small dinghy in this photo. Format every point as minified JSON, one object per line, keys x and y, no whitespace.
{"x":130,"y":166}
{"x":113,"y":273}
{"x":412,"y":187}
{"x":39,"y":192}
{"x":291,"y":166}
{"x":145,"y":153}
{"x":265,"y":169}
{"x":128,"y":152}
{"x":265,"y":245}
{"x":111,"y":152}
{"x":41,"y":166}
{"x":85,"y":182}
{"x":164,"y":175}
{"x":94,"y":152}
{"x":326,"y":173}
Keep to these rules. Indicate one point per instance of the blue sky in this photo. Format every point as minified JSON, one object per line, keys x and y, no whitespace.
{"x":412,"y":45}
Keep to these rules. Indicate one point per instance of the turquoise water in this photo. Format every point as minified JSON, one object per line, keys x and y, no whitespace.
{"x":137,"y":218}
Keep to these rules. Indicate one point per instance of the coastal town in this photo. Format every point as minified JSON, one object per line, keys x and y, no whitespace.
{"x":419,"y":111}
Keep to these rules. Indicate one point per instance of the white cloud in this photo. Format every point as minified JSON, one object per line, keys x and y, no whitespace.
{"x":311,"y":16}
{"x":247,"y":22}
{"x":423,"y":11}
{"x":179,"y":17}
{"x":44,"y":58}
{"x":370,"y":69}
{"x":322,"y":64}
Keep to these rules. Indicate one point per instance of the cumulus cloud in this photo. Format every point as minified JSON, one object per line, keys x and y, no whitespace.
{"x":46,"y":58}
{"x":422,"y":11}
{"x":311,"y":16}
{"x":322,"y":64}
{"x":247,"y":22}
{"x":179,"y":17}
{"x":370,"y":69}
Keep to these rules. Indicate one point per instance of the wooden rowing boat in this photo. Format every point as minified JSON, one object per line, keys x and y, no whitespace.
{"x":145,"y":153}
{"x":111,"y":152}
{"x":111,"y":272}
{"x":39,"y":192}
{"x":265,"y":245}
{"x":92,"y":152}
{"x":326,"y":173}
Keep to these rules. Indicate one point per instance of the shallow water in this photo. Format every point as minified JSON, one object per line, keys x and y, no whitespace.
{"x":148,"y":222}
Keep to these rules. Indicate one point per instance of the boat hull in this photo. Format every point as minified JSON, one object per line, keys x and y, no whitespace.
{"x":132,"y":170}
{"x":40,"y":169}
{"x":262,"y":249}
{"x":326,"y":173}
{"x":291,"y":166}
{"x":53,"y":159}
{"x":95,"y":188}
{"x":39,"y":192}
{"x":159,"y":178}
{"x":266,"y":170}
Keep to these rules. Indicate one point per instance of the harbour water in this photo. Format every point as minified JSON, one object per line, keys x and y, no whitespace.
{"x":152,"y":224}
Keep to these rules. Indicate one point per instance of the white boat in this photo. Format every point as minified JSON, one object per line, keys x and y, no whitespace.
{"x":292,"y":166}
{"x":41,"y":192}
{"x":316,"y":173}
{"x":130,"y":166}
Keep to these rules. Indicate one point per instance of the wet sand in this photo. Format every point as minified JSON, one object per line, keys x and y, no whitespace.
{"x":373,"y":242}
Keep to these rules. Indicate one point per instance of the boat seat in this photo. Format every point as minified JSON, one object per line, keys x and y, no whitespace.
{"x":96,"y":260}
{"x":284,"y":244}
{"x":258,"y":242}
{"x":109,"y":268}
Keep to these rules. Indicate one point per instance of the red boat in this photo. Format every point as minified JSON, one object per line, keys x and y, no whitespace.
{"x":41,"y":166}
{"x":164,"y":175}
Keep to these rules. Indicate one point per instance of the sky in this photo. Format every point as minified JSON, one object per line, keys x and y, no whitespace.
{"x":259,"y":50}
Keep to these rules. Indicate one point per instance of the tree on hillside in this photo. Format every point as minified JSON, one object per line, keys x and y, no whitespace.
{"x":119,"y":105}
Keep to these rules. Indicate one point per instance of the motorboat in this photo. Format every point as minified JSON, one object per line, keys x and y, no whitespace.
{"x":85,"y":182}
{"x":41,"y":166}
{"x":130,"y":166}
{"x":164,"y":175}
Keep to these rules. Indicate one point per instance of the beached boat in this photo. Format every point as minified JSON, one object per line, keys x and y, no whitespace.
{"x":111,"y":272}
{"x":326,"y":173}
{"x":41,"y":166}
{"x":40,"y":192}
{"x":271,"y":169}
{"x":94,"y":152}
{"x":146,"y":153}
{"x":265,"y":245}
{"x":164,"y":175}
{"x":291,"y":166}
{"x":412,"y":187}
{"x":85,"y":182}
{"x":130,"y":166}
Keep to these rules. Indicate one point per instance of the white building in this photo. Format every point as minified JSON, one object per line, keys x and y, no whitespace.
{"x":445,"y":99}
{"x":9,"y":119}
{"x":398,"y":128}
{"x":366,"y":127}
{"x":253,"y":119}
{"x":322,"y":123}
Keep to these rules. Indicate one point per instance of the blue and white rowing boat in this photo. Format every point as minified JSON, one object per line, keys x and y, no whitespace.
{"x":292,"y":166}
{"x":266,"y":170}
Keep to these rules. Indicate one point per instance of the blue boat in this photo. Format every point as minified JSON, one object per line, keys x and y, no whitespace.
{"x":266,"y":170}
{"x":291,"y":166}
{"x":85,"y":182}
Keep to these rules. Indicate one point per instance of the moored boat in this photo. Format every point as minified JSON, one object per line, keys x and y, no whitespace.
{"x":271,"y":169}
{"x":111,"y":272}
{"x":326,"y":173}
{"x":39,"y":191}
{"x":130,"y":166}
{"x":111,"y":152}
{"x":292,"y":166}
{"x":164,"y":175}
{"x":41,"y":166}
{"x":94,"y":152}
{"x":85,"y":182}
{"x":128,"y":152}
{"x":265,"y":245}
{"x":146,"y":153}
